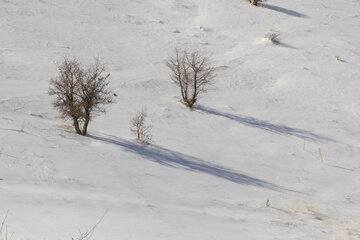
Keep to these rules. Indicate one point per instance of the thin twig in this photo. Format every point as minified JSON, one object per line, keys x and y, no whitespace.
{"x":3,"y":222}
{"x":88,"y":234}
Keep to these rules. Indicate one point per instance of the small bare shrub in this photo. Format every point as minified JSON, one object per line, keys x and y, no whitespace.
{"x":138,"y":127}
{"x":192,"y":72}
{"x":338,"y":58}
{"x":273,"y":37}
{"x":256,"y":2}
{"x":80,"y":93}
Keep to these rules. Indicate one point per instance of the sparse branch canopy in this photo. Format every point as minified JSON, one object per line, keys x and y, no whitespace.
{"x":139,"y":128}
{"x":80,"y":93}
{"x":192,"y":72}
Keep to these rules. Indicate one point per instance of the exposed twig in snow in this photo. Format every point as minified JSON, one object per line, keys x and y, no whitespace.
{"x":88,"y":234}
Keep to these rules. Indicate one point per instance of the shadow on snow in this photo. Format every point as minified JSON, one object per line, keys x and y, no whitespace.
{"x":284,"y":10}
{"x":270,"y":127}
{"x":175,"y":159}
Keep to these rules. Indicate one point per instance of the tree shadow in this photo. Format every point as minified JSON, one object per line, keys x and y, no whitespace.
{"x":284,"y":10}
{"x":178,"y":160}
{"x":269,"y":127}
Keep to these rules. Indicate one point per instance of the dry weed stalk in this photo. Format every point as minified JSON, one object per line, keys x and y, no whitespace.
{"x":22,"y":127}
{"x":321,"y":156}
{"x":338,"y":58}
{"x":88,"y":234}
{"x":4,"y":235}
{"x":314,"y":212}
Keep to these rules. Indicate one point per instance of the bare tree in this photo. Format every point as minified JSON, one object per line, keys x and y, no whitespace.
{"x":94,"y":92}
{"x":138,"y":127}
{"x":192,"y":72}
{"x":66,"y":88}
{"x":80,"y":94}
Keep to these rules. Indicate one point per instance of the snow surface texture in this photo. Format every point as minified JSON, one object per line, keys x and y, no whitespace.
{"x":280,"y":123}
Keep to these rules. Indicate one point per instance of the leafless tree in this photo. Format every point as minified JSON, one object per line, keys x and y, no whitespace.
{"x":80,"y":93}
{"x":138,"y":127}
{"x":192,"y":72}
{"x":94,"y":92}
{"x":66,"y":87}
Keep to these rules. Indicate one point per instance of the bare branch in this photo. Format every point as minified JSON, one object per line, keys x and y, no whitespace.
{"x":88,"y":234}
{"x":80,"y":94}
{"x":139,"y":128}
{"x":193,"y":73}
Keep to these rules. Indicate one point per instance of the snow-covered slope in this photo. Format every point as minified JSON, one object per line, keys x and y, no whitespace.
{"x":281,"y":122}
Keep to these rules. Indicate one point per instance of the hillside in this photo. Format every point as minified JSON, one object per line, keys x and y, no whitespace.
{"x":280,"y":123}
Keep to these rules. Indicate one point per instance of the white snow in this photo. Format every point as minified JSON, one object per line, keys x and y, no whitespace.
{"x":256,"y":135}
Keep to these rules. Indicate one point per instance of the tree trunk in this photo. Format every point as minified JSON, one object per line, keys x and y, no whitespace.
{"x":76,"y":126}
{"x":86,"y":122}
